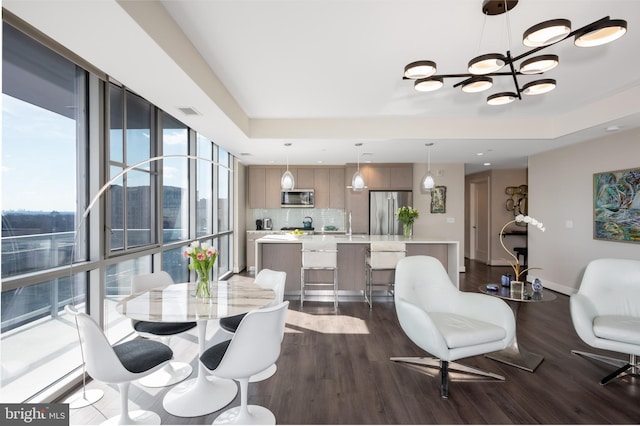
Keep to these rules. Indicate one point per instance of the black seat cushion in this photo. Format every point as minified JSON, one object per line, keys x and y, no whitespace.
{"x":211,"y":357}
{"x":162,"y":328}
{"x":140,"y":355}
{"x":231,"y":324}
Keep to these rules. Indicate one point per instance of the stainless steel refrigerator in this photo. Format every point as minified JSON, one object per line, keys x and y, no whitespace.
{"x":382,"y":211}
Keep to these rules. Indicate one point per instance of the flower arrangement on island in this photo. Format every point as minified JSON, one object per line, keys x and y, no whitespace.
{"x":407,"y":215}
{"x":203,"y":256}
{"x":516,"y":264}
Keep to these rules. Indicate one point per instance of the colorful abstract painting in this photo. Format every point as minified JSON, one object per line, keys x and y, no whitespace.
{"x":616,"y":215}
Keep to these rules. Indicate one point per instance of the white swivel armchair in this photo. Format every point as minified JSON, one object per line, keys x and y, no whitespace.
{"x":120,"y":364}
{"x":445,"y":322}
{"x":606,"y":312}
{"x":255,"y":345}
{"x":266,"y":278}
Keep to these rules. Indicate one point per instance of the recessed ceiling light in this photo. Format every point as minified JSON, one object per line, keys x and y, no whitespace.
{"x":612,"y":128}
{"x":487,"y":164}
{"x":480,"y":153}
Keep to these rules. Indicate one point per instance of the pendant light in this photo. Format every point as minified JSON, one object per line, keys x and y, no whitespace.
{"x":427,"y":181}
{"x":357,"y":181}
{"x":287,"y":182}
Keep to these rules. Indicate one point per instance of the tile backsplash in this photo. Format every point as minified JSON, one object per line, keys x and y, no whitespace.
{"x":293,"y":217}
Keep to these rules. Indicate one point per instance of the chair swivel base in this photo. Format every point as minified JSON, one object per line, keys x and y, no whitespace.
{"x":444,"y":368}
{"x":172,"y":373}
{"x":621,"y":371}
{"x":257,"y":415}
{"x":453,"y":366}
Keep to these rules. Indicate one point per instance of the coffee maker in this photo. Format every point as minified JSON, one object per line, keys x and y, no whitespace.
{"x":259,"y":224}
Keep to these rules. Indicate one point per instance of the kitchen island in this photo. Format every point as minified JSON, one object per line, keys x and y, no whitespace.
{"x":284,"y":253}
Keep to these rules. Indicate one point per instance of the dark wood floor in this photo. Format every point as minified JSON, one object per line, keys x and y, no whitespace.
{"x":335,"y":369}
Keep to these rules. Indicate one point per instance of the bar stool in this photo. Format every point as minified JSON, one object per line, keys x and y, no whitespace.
{"x":319,"y":255}
{"x":381,"y":256}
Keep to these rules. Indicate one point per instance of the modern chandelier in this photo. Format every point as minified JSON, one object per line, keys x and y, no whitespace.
{"x":482,"y":69}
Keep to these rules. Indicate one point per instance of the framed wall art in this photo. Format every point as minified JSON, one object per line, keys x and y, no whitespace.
{"x":616,"y":205}
{"x":439,"y":199}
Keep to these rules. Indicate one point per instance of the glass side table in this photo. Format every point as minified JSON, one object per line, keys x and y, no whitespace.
{"x":515,"y":355}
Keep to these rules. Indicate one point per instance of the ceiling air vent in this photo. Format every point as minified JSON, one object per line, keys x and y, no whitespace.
{"x":188,"y":111}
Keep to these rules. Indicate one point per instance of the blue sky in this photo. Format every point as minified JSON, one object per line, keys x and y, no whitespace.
{"x":38,"y":158}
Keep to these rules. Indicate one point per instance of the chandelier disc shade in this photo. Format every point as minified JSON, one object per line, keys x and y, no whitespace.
{"x":428,"y":84}
{"x":539,"y":64}
{"x":486,"y":64}
{"x":539,"y":87}
{"x":601,"y":33}
{"x":477,"y":84}
{"x":420,"y":69}
{"x":546,"y":33}
{"x":501,"y":98}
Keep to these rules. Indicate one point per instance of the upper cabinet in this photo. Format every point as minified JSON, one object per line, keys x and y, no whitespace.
{"x":327,"y":182}
{"x":264,"y":187}
{"x":257,"y":187}
{"x":305,"y":178}
{"x":388,"y":176}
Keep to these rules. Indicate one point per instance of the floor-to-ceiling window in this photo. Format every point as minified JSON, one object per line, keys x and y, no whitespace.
{"x":55,"y":249}
{"x":44,"y":164}
{"x":224,"y":212}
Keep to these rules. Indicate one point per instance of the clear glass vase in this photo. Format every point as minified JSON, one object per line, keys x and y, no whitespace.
{"x":408,"y":229}
{"x":203,"y":288}
{"x":517,"y":290}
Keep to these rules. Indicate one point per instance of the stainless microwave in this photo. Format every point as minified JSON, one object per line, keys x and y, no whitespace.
{"x":297,"y":198}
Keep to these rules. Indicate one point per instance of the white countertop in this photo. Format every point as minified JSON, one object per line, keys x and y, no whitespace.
{"x":347,"y":239}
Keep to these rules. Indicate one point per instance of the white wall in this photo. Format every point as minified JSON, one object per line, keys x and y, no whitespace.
{"x":438,"y":226}
{"x":561,"y":191}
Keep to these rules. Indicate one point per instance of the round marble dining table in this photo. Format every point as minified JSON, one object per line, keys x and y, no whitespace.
{"x":203,"y":394}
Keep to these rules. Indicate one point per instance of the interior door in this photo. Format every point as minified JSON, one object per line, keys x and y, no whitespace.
{"x":480,"y":221}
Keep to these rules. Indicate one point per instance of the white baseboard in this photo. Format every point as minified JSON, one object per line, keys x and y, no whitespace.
{"x":560,"y":288}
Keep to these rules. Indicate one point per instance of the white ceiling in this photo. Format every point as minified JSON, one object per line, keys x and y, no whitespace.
{"x":327,"y":74}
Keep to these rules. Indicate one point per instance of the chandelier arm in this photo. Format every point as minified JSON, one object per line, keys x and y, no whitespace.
{"x":513,"y":73}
